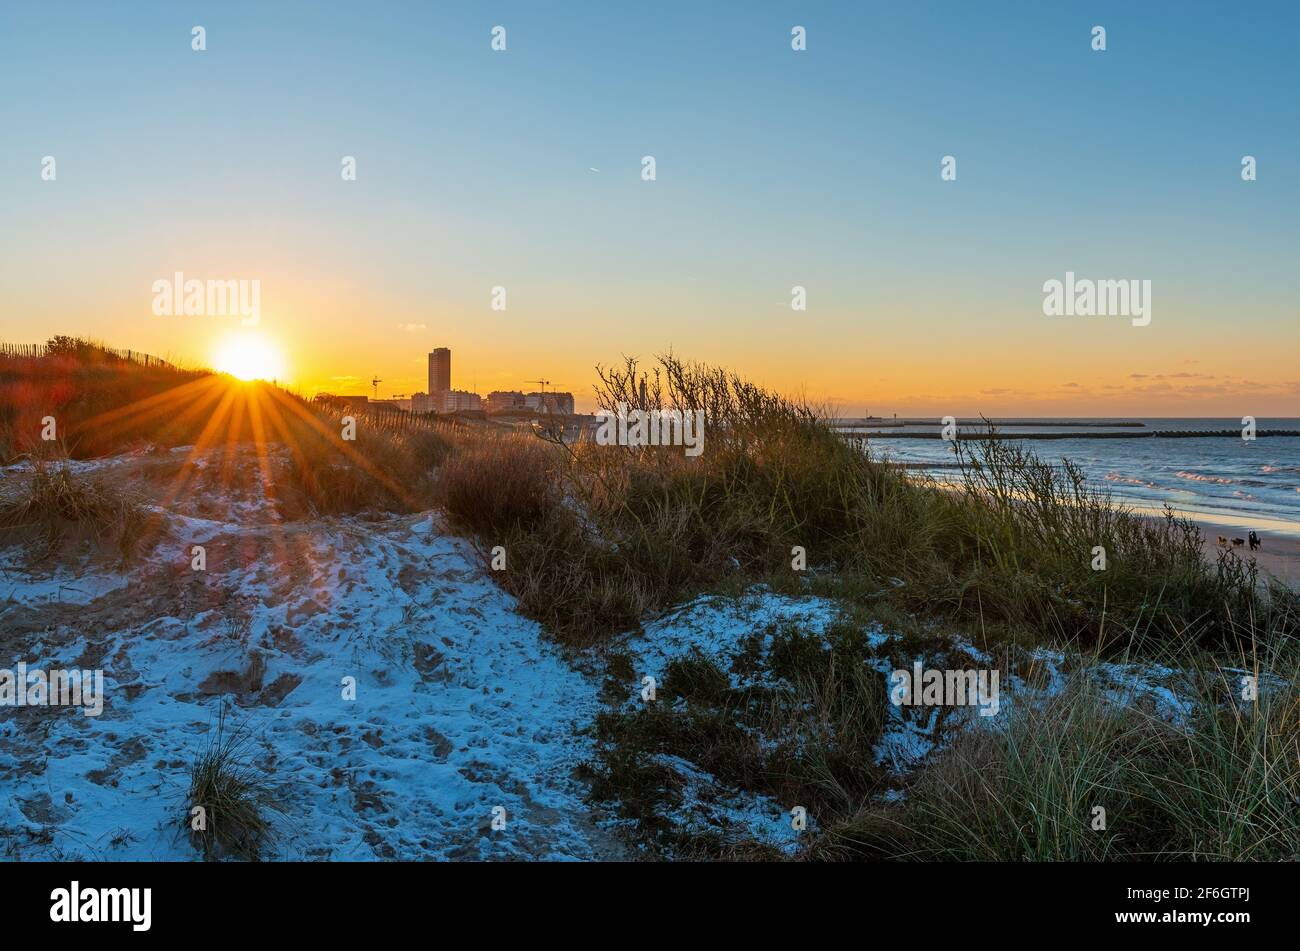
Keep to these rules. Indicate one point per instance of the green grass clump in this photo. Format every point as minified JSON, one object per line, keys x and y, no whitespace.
{"x":1231,"y":792}
{"x":799,"y":726}
{"x":1223,"y":784}
{"x":1094,"y":771}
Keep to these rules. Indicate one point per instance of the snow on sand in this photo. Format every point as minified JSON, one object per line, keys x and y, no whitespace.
{"x":461,"y":704}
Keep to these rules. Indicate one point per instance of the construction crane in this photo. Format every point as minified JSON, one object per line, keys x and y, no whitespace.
{"x":375,"y":383}
{"x":543,"y":382}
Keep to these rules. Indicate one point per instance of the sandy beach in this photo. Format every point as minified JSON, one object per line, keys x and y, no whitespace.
{"x":1279,"y":551}
{"x":1278,"y":554}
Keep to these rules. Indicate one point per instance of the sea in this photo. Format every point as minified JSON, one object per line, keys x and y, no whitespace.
{"x":1240,"y":482}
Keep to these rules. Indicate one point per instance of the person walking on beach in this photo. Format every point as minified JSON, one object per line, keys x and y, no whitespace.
{"x":1253,"y":539}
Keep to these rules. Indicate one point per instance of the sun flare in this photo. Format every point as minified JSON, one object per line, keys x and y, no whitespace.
{"x":248,"y":357}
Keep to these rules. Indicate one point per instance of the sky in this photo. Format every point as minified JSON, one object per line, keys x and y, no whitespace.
{"x":774,"y":168}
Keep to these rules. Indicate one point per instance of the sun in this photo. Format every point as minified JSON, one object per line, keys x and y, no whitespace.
{"x":248,"y":357}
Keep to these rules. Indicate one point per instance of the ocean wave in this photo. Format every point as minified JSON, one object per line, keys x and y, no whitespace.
{"x":1128,"y":480}
{"x":1197,"y":477}
{"x":1279,"y":468}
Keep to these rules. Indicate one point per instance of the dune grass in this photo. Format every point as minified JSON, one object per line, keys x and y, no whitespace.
{"x":1087,"y":771}
{"x":1009,"y":551}
{"x":102,"y":404}
{"x":377,"y":470}
{"x":50,"y":508}
{"x":1223,"y":784}
{"x":233,"y":796}
{"x":598,"y":537}
{"x":799,"y":726}
{"x":80,"y":384}
{"x":607,"y":533}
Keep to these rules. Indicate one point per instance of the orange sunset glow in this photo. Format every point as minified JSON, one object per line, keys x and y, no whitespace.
{"x":805,"y":432}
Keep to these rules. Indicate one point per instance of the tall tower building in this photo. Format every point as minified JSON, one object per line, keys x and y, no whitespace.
{"x":439,"y":371}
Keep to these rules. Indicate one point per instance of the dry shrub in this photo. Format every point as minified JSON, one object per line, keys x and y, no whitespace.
{"x":55,"y":508}
{"x":497,"y":485}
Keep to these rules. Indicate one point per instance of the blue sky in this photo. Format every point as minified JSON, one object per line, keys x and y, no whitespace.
{"x":775,"y":168}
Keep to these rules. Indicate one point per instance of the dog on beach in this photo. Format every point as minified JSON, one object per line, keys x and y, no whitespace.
{"x":1238,"y":542}
{"x":1223,"y":541}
